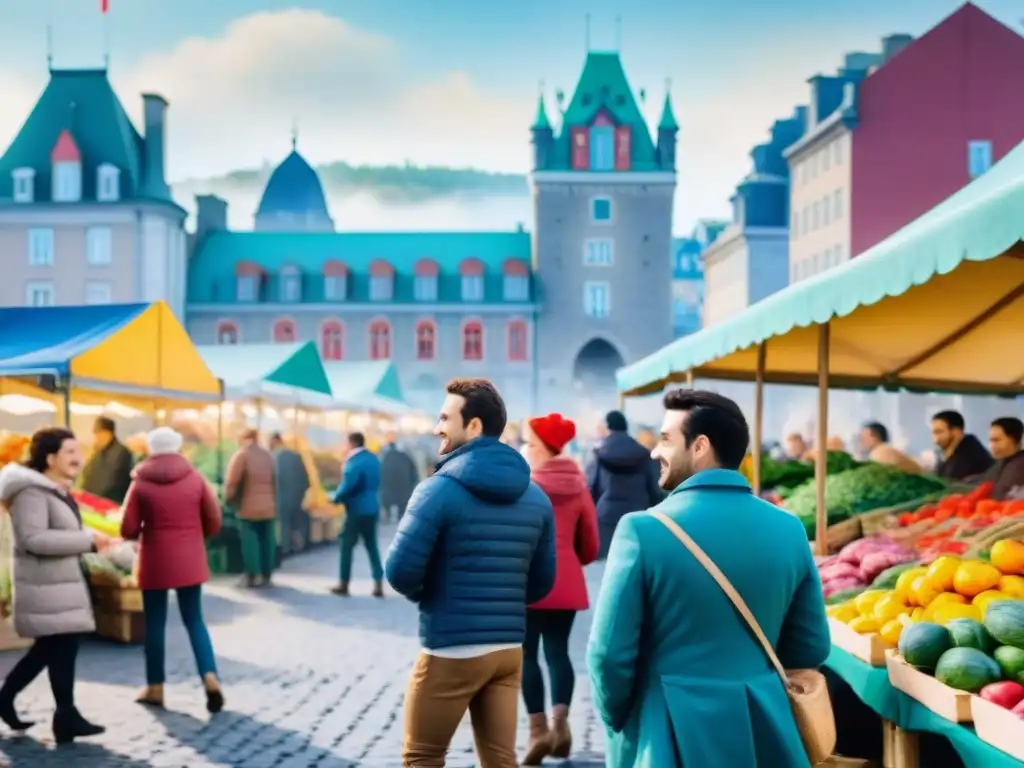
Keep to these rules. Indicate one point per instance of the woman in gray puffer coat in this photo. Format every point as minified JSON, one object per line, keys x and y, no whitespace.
{"x":51,"y":597}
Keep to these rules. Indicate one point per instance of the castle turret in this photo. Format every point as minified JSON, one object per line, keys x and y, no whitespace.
{"x":668,"y":129}
{"x":543,"y":137}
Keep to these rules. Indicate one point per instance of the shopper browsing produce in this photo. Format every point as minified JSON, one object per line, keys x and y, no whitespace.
{"x":1007,"y":474}
{"x":874,"y":443}
{"x":961,"y":456}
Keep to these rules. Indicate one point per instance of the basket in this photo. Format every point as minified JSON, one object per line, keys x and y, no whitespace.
{"x":841,"y":534}
{"x":119,"y":626}
{"x":120,"y":599}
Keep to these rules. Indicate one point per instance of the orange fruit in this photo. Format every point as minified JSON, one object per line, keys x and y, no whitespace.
{"x":1012,"y":586}
{"x":1008,"y":556}
{"x":941,"y":572}
{"x":974,"y":577}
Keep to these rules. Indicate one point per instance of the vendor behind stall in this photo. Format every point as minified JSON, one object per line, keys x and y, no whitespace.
{"x":109,"y":471}
{"x":1004,"y":439}
{"x":961,"y":456}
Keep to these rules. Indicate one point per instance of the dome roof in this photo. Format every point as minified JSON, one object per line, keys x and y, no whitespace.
{"x":293,"y":188}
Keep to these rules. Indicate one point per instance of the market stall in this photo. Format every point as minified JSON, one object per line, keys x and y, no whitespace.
{"x":290,"y":377}
{"x":138,"y":355}
{"x":935,"y":307}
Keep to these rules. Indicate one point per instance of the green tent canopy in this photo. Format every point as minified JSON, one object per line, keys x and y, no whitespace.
{"x":289,"y":374}
{"x":371,"y":385}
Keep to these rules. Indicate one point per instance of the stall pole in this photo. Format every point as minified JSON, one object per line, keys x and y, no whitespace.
{"x":258,"y":402}
{"x":689,"y":379}
{"x":821,"y":452}
{"x":758,"y":437}
{"x":622,"y":403}
{"x":66,"y":392}
{"x":220,"y":434}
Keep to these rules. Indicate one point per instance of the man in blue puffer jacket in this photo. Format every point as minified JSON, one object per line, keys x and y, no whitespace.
{"x":360,"y":493}
{"x":476,"y":545}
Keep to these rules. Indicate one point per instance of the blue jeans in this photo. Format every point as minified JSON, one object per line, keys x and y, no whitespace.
{"x":190,"y":603}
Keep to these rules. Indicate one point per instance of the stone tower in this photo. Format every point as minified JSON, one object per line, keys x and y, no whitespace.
{"x":603,"y":191}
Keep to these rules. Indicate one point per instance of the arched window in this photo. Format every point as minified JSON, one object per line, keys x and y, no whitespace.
{"x":291,"y":284}
{"x":473,"y":341}
{"x":472,"y":271}
{"x":332,"y":338}
{"x":284,"y":332}
{"x":517,"y":340}
{"x":426,"y":336}
{"x":227,"y":332}
{"x":380,"y":340}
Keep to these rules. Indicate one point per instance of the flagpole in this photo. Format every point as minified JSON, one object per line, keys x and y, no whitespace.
{"x":104,"y":11}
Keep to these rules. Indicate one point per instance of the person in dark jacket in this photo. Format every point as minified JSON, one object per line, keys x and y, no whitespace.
{"x":398,"y":478}
{"x":961,"y":456}
{"x":622,"y":477}
{"x":109,"y":470}
{"x":1004,"y":439}
{"x":292,"y":482}
{"x":476,"y":545}
{"x":360,"y":493}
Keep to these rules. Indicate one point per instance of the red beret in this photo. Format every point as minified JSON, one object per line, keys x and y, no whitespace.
{"x":553,"y":430}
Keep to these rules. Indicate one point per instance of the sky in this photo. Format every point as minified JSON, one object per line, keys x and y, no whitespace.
{"x":447,"y":82}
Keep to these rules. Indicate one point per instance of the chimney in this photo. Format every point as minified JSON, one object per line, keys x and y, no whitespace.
{"x":154,"y":110}
{"x":211,"y":215}
{"x":893,"y":44}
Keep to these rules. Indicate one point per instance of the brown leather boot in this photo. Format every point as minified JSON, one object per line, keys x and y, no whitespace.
{"x":539,"y":745}
{"x":561,"y":736}
{"x":152,"y":695}
{"x":378,"y":589}
{"x":341,"y":590}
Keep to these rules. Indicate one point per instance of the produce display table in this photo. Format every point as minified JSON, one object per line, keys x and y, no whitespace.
{"x":909,"y":718}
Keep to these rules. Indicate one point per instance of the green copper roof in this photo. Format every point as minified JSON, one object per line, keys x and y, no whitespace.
{"x":212,"y":277}
{"x":84,"y":103}
{"x":668,"y":117}
{"x":541,"y":121}
{"x":604,"y":86}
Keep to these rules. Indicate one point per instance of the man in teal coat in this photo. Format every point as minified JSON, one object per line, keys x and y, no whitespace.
{"x":679,"y":679}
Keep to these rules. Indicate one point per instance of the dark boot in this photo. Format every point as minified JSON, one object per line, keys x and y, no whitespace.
{"x":378,"y":589}
{"x":10,"y":716}
{"x":214,"y":694}
{"x":539,"y":745}
{"x":561,"y":736}
{"x":69,"y":725}
{"x":341,"y":590}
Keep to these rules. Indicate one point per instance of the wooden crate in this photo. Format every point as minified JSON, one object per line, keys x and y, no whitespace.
{"x":122,"y":599}
{"x":999,"y":727}
{"x":120,"y":626}
{"x":868,"y":648}
{"x":944,"y":701}
{"x":841,"y":534}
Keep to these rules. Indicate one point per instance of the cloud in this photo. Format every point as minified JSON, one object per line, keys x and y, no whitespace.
{"x":233,"y":100}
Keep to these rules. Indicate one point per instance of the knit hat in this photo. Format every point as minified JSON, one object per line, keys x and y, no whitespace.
{"x":553,"y":430}
{"x":163,"y":440}
{"x":615,"y":421}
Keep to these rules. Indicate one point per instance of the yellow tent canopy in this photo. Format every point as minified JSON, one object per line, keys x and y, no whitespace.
{"x":136,"y":354}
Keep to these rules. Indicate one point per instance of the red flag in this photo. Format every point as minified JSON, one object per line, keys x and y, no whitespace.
{"x":104,"y":6}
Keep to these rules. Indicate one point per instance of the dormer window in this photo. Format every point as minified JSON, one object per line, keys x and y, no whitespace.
{"x":108,"y":183}
{"x":382,"y":281}
{"x":335,"y":281}
{"x":425,"y":285}
{"x":67,"y":169}
{"x":602,"y":144}
{"x":24,"y":185}
{"x":472,"y":271}
{"x":248,"y":276}
{"x":291,"y":284}
{"x":516,"y":278}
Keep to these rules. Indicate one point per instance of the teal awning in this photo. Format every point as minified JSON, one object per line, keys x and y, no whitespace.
{"x":936,"y":306}
{"x":285,"y":373}
{"x":370,"y":385}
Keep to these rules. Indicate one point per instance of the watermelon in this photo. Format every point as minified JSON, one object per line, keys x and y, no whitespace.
{"x":1004,"y":620}
{"x":967,"y":669}
{"x":968,"y":633}
{"x":1011,"y":661}
{"x":923,"y":644}
{"x":843,"y":595}
{"x":887,"y":578}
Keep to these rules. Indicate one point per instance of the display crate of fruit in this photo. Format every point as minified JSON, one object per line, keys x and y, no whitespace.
{"x":869,"y":648}
{"x":941,"y":699}
{"x":1000,"y":725}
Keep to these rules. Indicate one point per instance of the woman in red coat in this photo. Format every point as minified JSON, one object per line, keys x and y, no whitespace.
{"x":171,"y":509}
{"x":551,"y":619}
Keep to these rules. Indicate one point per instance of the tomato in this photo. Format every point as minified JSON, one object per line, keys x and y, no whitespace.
{"x":964,"y":509}
{"x":942,"y":514}
{"x":986,"y":506}
{"x":983,"y":491}
{"x":927,"y":511}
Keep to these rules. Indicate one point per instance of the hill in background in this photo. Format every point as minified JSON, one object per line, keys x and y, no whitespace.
{"x":398,"y":197}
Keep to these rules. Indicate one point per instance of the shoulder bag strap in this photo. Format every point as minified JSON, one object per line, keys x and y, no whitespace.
{"x":727,"y":587}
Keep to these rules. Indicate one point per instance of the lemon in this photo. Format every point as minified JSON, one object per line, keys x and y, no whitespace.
{"x":889,"y":607}
{"x":891,"y":631}
{"x":865,"y":601}
{"x":946,"y":613}
{"x":844,"y":612}
{"x":865,"y":625}
{"x":941,"y":572}
{"x":905,"y":580}
{"x":988,"y":596}
{"x":923,"y":591}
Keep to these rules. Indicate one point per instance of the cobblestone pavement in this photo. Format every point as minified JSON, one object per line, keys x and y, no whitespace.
{"x":310,"y":679}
